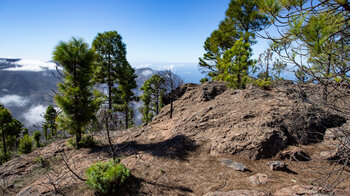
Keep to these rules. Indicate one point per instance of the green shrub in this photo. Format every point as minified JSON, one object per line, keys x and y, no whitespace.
{"x":4,"y":158}
{"x":107,"y":178}
{"x":25,"y":145}
{"x":86,"y":142}
{"x":204,"y":80}
{"x":263,"y":84}
{"x":36,"y":136}
{"x":40,"y":161}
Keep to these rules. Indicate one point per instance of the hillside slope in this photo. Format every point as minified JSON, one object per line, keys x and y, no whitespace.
{"x":184,"y":155}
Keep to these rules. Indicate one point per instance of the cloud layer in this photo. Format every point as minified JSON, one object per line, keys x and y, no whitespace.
{"x":34,"y":115}
{"x":32,"y":65}
{"x":13,"y":100}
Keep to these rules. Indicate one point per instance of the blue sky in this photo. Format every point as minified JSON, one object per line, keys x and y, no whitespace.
{"x":155,"y":31}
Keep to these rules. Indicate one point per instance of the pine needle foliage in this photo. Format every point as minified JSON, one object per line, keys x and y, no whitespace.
{"x":76,"y":96}
{"x":107,"y":178}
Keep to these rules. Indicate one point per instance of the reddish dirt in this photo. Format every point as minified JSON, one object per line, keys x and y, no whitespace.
{"x":181,"y":156}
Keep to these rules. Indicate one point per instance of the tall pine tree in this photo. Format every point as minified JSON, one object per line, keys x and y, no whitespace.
{"x":127,"y":82}
{"x":50,"y":122}
{"x":111,"y":56}
{"x":153,"y":89}
{"x":241,"y":23}
{"x":75,"y":97}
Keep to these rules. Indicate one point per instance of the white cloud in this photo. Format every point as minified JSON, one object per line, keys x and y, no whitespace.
{"x":34,"y":115}
{"x":164,"y":67}
{"x":142,"y":66}
{"x":147,"y":72}
{"x":13,"y":100}
{"x":32,"y":65}
{"x":5,"y":90}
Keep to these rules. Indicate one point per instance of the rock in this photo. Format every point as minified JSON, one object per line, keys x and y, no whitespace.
{"x":211,"y":90}
{"x":234,"y":165}
{"x":294,"y":154}
{"x":178,"y":92}
{"x":237,"y":193}
{"x":259,"y":178}
{"x":277,"y":165}
{"x":306,"y":126}
{"x":300,"y":190}
{"x":342,"y":192}
{"x":329,"y":155}
{"x":252,"y":123}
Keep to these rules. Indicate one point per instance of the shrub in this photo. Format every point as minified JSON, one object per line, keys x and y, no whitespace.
{"x":107,"y":178}
{"x":36,"y":136}
{"x":204,"y":80}
{"x":40,"y":161}
{"x":263,"y":84}
{"x":86,"y":141}
{"x":25,"y":145}
{"x":4,"y":158}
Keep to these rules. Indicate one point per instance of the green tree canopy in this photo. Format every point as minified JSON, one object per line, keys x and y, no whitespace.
{"x":125,"y":95}
{"x":153,"y":89}
{"x":76,"y":97}
{"x":242,"y":21}
{"x":50,"y":122}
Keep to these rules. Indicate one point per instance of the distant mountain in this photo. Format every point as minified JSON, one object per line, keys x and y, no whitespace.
{"x":27,"y":88}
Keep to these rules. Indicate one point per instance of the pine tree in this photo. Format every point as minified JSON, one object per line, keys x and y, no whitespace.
{"x":10,"y":130}
{"x":127,"y":82}
{"x":146,"y":111}
{"x":111,"y":56}
{"x":219,"y":41}
{"x":75,"y":97}
{"x":242,"y":20}
{"x":152,"y":89}
{"x":5,"y":120}
{"x":50,"y":122}
{"x":171,"y":82}
{"x":235,"y":64}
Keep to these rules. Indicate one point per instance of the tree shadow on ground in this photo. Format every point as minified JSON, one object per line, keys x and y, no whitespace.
{"x":139,"y":186}
{"x":177,"y":147}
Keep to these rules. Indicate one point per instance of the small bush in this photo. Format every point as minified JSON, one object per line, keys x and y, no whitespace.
{"x":204,"y":80}
{"x":4,"y":158}
{"x":36,"y":136}
{"x":107,"y":178}
{"x":86,"y":142}
{"x":25,"y":145}
{"x":41,"y":161}
{"x":263,"y":84}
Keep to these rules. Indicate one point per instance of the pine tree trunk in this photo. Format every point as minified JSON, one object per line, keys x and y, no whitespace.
{"x":171,"y":107}
{"x":4,"y":142}
{"x":127,"y":117}
{"x":78,"y":138}
{"x":325,"y":87}
{"x":109,"y":115}
{"x":157,"y":104}
{"x":267,"y":70}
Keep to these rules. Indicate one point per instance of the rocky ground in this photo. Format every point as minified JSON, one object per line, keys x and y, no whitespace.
{"x":219,"y":142}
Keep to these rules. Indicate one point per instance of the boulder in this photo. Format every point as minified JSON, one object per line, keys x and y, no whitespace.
{"x":259,"y":178}
{"x":234,"y":165}
{"x":277,"y":165}
{"x":301,"y":190}
{"x":211,"y":90}
{"x":329,"y":155}
{"x":294,"y":154}
{"x":238,"y":193}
